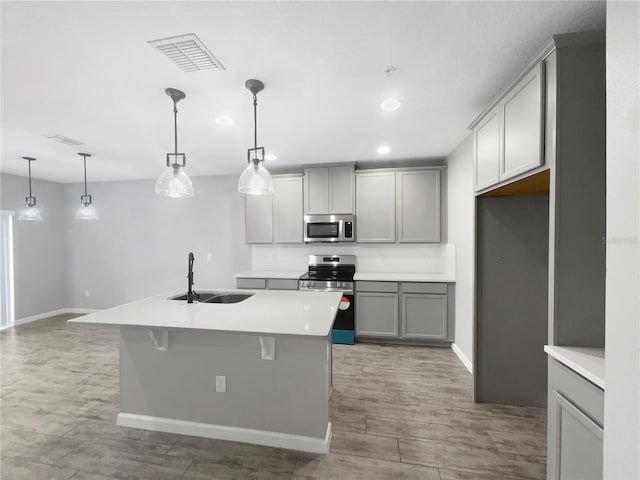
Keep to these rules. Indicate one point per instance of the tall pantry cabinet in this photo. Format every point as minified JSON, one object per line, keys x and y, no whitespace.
{"x":540,"y":255}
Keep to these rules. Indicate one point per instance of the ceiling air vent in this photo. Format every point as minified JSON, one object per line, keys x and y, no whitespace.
{"x":187,"y":52}
{"x":62,"y":139}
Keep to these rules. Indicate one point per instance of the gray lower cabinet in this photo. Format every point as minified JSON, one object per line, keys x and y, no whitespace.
{"x":411,"y":311}
{"x":576,"y":426}
{"x":424,"y":316}
{"x":267,"y":283}
{"x":377,"y":314}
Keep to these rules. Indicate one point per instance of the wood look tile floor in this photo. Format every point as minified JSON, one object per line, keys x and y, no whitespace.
{"x":397,"y":413}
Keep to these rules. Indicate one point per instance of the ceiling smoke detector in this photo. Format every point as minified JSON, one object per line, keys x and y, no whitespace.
{"x":187,"y":52}
{"x":62,"y":139}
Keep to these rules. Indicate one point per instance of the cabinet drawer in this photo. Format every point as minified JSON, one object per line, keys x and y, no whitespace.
{"x":384,"y":287}
{"x":578,"y":390}
{"x":251,"y":283}
{"x":440,"y":288}
{"x":282,"y":284}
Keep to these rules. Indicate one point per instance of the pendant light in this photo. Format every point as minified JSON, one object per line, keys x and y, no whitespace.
{"x":30,"y":211}
{"x":86,"y":211}
{"x":174,"y":182}
{"x":255,"y":180}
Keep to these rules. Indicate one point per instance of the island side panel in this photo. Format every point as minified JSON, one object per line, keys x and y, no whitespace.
{"x":289,"y":394}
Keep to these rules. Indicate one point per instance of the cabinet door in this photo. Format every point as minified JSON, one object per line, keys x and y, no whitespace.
{"x":377,"y":314}
{"x":424,"y":316}
{"x":341,"y":190}
{"x":287,"y":204}
{"x":488,"y":150}
{"x":523,"y":130}
{"x":418,"y":206}
{"x":576,"y":441}
{"x":316,"y":191}
{"x":376,"y":207}
{"x":258,"y":218}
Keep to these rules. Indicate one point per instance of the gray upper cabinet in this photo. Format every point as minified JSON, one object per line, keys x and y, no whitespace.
{"x":341,"y":189}
{"x":509,"y":138}
{"x":522,"y":110}
{"x":258,"y":218}
{"x":488,"y":150}
{"x":418,"y":206}
{"x":376,"y":207}
{"x":287,"y":205}
{"x":328,"y":190}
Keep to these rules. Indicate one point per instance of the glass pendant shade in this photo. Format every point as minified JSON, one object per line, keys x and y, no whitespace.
{"x":86,"y":212}
{"x":31,"y":213}
{"x":174,"y":182}
{"x":255,"y":180}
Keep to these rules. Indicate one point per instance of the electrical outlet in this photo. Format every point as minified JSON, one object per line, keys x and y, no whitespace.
{"x":221,"y":383}
{"x":209,"y":257}
{"x":86,"y":293}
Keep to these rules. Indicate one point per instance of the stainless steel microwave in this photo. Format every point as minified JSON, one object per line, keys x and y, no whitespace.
{"x":329,"y":228}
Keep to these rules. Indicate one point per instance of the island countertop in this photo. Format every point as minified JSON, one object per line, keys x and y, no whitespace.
{"x":267,"y":312}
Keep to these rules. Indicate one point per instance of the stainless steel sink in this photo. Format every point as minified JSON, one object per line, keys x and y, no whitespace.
{"x":203,"y":296}
{"x":228,"y":298}
{"x":216,"y":297}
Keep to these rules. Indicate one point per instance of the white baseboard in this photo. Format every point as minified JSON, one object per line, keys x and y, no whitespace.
{"x":224,"y":432}
{"x":40,"y":316}
{"x":463,"y":358}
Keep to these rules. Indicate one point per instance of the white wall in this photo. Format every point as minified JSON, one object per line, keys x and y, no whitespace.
{"x":139,"y":246}
{"x":461,"y":221}
{"x":622,"y":393}
{"x":438,"y":258}
{"x":39,"y":250}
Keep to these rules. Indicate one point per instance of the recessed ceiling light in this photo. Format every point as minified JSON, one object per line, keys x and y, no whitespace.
{"x":270,"y":156}
{"x":390,"y":104}
{"x":224,"y":120}
{"x":383,"y":149}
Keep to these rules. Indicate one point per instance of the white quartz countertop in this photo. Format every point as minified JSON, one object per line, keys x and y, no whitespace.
{"x":267,"y":312}
{"x":404,"y":277}
{"x":588,"y":362}
{"x":270,"y":274}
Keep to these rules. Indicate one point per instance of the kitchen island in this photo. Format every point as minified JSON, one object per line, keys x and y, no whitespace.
{"x":256,"y":371}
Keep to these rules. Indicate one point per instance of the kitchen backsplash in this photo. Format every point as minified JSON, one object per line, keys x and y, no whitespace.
{"x":436,"y":258}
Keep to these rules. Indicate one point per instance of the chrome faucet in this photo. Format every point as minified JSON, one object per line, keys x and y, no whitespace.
{"x":191,"y":294}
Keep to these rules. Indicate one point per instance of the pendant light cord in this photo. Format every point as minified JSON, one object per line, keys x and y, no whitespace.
{"x":84,"y":157}
{"x":255,"y":121}
{"x":30,"y":179}
{"x":175,"y":128}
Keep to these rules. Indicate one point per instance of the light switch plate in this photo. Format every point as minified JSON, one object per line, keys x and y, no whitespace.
{"x":221,"y":383}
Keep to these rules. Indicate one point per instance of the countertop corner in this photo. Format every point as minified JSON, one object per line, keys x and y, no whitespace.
{"x":586,"y":361}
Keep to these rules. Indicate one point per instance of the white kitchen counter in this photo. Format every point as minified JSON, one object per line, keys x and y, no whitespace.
{"x":588,"y":362}
{"x":270,"y":274}
{"x":404,"y":277}
{"x":267,"y":312}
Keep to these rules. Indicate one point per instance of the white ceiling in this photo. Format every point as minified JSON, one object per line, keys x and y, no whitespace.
{"x":84,"y":70}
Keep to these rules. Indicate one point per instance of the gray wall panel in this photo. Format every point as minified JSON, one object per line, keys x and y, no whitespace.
{"x":512,"y":266}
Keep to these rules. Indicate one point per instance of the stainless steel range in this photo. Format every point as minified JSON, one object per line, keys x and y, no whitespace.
{"x":334,"y":273}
